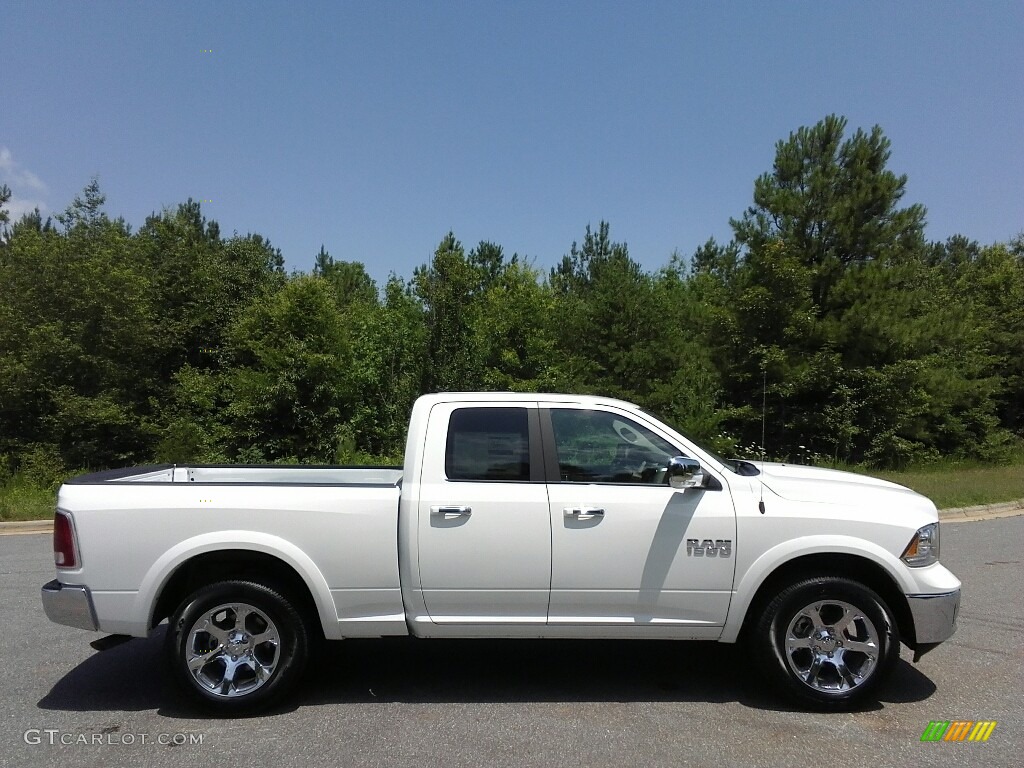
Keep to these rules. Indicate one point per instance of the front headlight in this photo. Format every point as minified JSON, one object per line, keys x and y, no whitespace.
{"x":923,"y":549}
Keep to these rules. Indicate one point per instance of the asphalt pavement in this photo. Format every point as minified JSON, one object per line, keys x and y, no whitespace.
{"x":513,"y":703}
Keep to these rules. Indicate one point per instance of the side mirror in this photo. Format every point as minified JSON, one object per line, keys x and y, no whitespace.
{"x":684,"y":472}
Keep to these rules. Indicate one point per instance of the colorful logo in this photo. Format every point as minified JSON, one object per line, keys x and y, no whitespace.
{"x":958,"y":730}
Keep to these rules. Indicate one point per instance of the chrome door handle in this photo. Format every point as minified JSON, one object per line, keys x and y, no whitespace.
{"x":583,"y":513}
{"x":451,"y":511}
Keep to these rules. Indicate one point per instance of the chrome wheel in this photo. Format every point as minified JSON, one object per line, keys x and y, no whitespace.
{"x":232,"y":649}
{"x":827,"y":641}
{"x":832,"y":646}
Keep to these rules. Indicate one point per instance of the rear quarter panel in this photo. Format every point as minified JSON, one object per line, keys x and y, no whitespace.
{"x":341,"y":540}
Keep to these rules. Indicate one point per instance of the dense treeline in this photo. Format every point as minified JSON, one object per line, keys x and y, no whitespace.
{"x":175,"y":343}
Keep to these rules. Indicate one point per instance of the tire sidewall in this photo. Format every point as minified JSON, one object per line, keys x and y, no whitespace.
{"x":780,"y":613}
{"x":294,"y":648}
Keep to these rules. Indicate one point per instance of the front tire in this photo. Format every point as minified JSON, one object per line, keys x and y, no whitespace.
{"x":237,"y":646}
{"x":827,"y":641}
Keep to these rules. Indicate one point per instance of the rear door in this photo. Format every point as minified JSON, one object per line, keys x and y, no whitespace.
{"x":483,"y":520}
{"x":626,"y":548}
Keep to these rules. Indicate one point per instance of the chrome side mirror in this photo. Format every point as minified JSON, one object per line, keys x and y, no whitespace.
{"x":684,"y":472}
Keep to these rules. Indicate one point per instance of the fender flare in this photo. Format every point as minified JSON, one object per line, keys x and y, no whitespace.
{"x":169,"y":562}
{"x":770,"y":561}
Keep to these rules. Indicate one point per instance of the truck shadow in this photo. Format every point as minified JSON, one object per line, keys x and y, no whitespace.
{"x":133,"y":677}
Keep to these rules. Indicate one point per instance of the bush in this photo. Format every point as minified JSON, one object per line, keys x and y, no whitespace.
{"x":891,"y":451}
{"x":998,"y":447}
{"x":41,"y":466}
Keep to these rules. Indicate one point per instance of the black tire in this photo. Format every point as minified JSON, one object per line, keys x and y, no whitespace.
{"x":243,"y":630}
{"x":852,"y":642}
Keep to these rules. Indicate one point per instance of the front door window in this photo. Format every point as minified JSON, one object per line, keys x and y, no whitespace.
{"x":602,"y":447}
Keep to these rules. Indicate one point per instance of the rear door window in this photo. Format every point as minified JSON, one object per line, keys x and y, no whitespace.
{"x":488,"y":444}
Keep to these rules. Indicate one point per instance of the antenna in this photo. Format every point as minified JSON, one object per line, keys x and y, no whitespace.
{"x":764,"y":402}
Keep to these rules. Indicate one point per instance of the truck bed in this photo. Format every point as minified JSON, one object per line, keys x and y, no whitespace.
{"x":335,"y":526}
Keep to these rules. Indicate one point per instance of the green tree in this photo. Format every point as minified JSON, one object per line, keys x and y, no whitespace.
{"x":514,"y":332}
{"x":388,"y":370}
{"x":991,"y":282}
{"x":600,"y":312}
{"x":5,"y":217}
{"x":683,"y":384}
{"x":200,"y":282}
{"x":353,"y":287}
{"x":76,"y":338}
{"x":449,"y":288}
{"x":287,"y":391}
{"x":833,"y":202}
{"x":839,"y":308}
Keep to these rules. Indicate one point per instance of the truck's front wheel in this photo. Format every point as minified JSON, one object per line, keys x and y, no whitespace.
{"x":237,"y":646}
{"x":828,"y":641}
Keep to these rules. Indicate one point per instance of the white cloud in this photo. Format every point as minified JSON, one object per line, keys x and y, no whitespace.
{"x":16,"y":208}
{"x":26,"y":187}
{"x":17,"y":177}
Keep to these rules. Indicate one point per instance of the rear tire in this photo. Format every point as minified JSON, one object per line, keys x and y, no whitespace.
{"x":826,"y":641}
{"x":236,"y":647}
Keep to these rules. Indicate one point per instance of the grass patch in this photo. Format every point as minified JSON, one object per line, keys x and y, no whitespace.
{"x":951,"y":484}
{"x":20,"y":500}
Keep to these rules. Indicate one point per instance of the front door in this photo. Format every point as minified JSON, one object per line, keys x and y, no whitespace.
{"x":623,"y":542}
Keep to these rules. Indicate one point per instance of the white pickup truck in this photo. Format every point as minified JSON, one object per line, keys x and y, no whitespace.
{"x":515,"y":515}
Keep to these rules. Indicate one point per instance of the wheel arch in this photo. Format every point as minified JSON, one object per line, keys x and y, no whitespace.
{"x":194,"y":564}
{"x":856,"y":567}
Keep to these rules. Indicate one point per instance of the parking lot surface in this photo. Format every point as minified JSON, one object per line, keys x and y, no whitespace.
{"x":514,"y":703}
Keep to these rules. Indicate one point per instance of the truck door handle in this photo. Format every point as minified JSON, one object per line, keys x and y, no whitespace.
{"x":583,"y":513}
{"x":451,"y":511}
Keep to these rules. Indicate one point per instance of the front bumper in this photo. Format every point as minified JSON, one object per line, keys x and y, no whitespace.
{"x":934,"y":618}
{"x":70,"y":605}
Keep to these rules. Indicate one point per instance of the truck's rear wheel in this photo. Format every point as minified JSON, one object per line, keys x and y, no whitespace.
{"x":237,"y":646}
{"x":828,"y":641}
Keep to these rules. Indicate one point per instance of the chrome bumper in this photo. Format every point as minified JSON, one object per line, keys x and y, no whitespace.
{"x":934,"y":616}
{"x":69,"y":605}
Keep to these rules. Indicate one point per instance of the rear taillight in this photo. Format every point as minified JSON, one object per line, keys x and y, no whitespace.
{"x":64,"y":554}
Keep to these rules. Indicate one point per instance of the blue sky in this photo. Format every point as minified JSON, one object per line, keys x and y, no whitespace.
{"x":375,"y":127}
